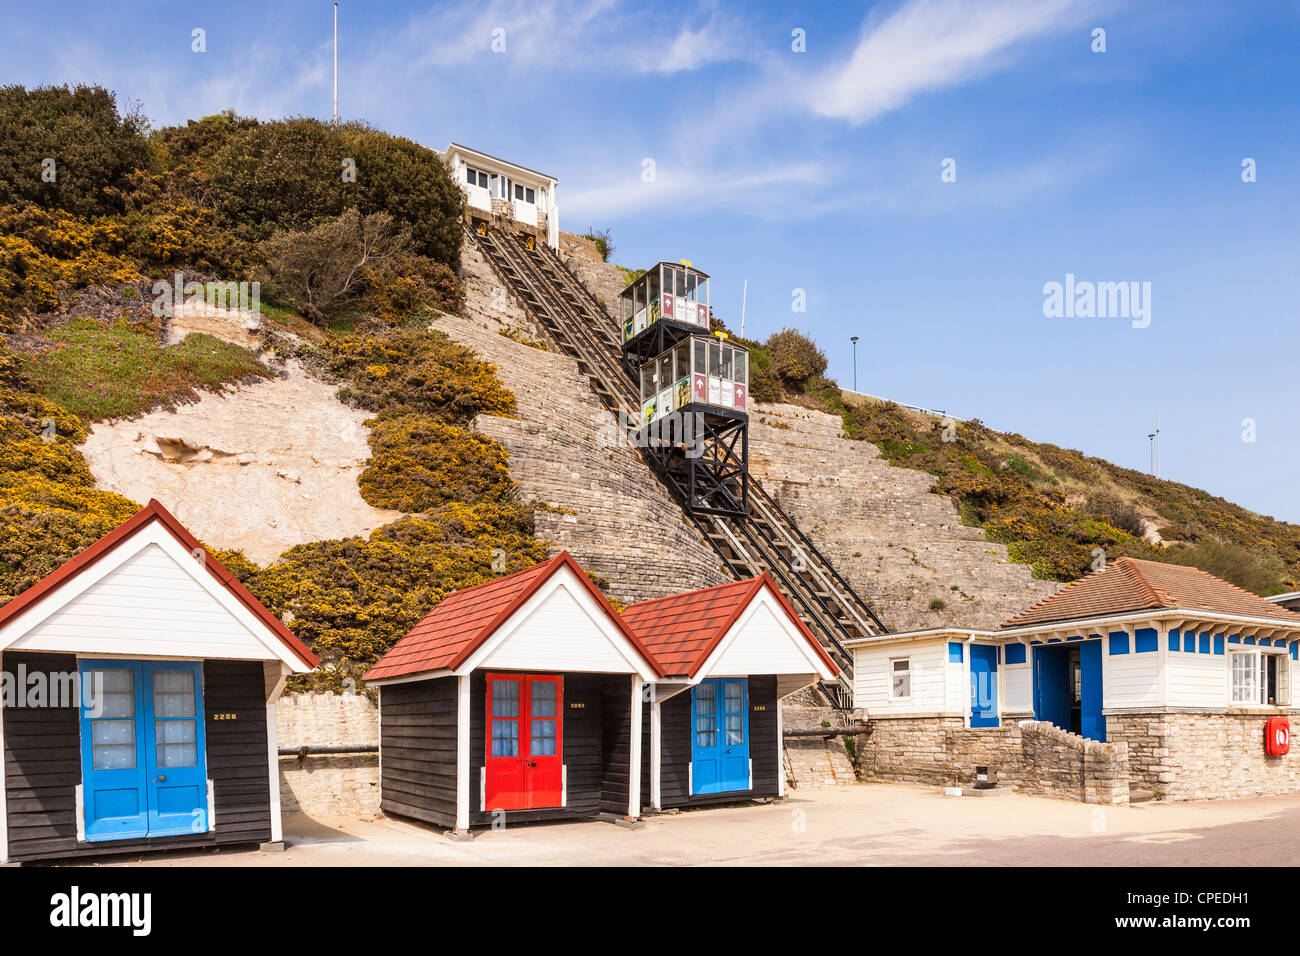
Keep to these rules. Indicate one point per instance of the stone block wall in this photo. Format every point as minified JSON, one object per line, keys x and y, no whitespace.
{"x":328,"y":785}
{"x":1030,"y":756}
{"x":1200,"y":756}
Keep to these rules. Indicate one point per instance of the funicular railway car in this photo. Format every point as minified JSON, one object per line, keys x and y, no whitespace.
{"x":694,"y":388}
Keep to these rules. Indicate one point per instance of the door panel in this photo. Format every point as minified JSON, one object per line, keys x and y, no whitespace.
{"x":983,"y":685}
{"x":112,"y":739}
{"x":1092,"y":721}
{"x":720,"y":736}
{"x":174,"y":750}
{"x":524,"y":765}
{"x":504,"y":767}
{"x":144,"y":771}
{"x":543,"y":763}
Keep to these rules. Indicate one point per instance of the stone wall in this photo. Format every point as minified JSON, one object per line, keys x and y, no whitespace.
{"x":1200,"y":756}
{"x":1030,"y":756}
{"x":328,"y":785}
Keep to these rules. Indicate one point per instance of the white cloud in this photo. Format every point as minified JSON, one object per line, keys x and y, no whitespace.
{"x":928,"y":45}
{"x":758,"y":190}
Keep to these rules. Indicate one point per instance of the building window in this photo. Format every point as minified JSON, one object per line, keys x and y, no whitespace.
{"x":902,"y":678}
{"x":476,"y":177}
{"x":1260,"y":679}
{"x":1245,"y":678}
{"x":524,"y":194}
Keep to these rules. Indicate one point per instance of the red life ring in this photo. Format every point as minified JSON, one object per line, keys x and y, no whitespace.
{"x":1277,"y":736}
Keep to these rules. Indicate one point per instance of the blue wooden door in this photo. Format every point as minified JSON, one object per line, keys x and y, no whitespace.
{"x":112,"y":748}
{"x":1092,"y":723}
{"x":720,"y":735}
{"x":176,"y":766}
{"x":983,"y":685}
{"x":143,"y":763}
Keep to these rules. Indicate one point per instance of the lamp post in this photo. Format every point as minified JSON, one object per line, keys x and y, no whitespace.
{"x":1152,"y":439}
{"x":854,"y":340}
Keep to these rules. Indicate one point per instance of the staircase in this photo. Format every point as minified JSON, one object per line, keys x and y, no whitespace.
{"x":767,"y":540}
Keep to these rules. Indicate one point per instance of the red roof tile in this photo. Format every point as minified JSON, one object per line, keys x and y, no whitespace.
{"x":1132,"y":584}
{"x":154,"y":511}
{"x":682,"y":630}
{"x":463,"y":620}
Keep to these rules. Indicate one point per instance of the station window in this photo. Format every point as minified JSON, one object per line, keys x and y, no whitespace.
{"x":524,"y":194}
{"x":901,"y":672}
{"x":476,"y":177}
{"x":1260,"y":678}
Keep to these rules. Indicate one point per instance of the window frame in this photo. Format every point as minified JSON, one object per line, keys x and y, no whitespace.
{"x":1259,"y":690}
{"x":907,"y":661}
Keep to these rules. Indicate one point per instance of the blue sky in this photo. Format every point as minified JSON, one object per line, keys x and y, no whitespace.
{"x":820,"y":171}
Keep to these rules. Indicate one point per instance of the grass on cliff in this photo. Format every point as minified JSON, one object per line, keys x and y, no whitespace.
{"x":99,"y":371}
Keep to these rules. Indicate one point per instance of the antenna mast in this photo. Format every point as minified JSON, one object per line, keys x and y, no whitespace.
{"x":336,"y":64}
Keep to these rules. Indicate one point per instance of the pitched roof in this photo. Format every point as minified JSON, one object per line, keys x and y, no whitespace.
{"x":682,"y":630}
{"x":1131,"y":584}
{"x":154,"y":511}
{"x":459,"y":623}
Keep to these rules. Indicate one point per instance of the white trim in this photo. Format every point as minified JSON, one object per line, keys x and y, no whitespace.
{"x":411,"y":678}
{"x":656,"y":758}
{"x":153,"y":533}
{"x":462,"y":752}
{"x":379,"y":732}
{"x":78,"y":796}
{"x":4,"y":803}
{"x":690,"y":778}
{"x":1162,"y":662}
{"x":765,"y":598}
{"x":212,"y":811}
{"x":563,"y":578}
{"x":1153,"y":617}
{"x":634,"y":752}
{"x":564,"y":785}
{"x":780,"y":748}
{"x":274,"y":686}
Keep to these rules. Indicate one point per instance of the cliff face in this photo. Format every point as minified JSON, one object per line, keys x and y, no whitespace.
{"x":901,"y":546}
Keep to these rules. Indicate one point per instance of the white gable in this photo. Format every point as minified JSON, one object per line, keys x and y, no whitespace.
{"x":764,"y":641}
{"x":560,"y":628}
{"x":148,"y":597}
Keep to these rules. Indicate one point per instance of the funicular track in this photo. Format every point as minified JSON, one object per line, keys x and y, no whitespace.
{"x":768,"y":539}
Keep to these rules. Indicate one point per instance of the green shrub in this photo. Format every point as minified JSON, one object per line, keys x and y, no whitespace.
{"x":416,"y":372}
{"x":795,"y":357}
{"x":94,"y":147}
{"x":418,"y":464}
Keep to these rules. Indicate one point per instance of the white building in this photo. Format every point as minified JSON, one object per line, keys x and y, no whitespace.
{"x":504,"y":190}
{"x":1138,"y":652}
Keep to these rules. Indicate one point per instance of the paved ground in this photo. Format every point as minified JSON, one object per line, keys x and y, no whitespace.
{"x":872,"y":824}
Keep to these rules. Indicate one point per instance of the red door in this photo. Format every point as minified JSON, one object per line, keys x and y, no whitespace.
{"x":524,"y":763}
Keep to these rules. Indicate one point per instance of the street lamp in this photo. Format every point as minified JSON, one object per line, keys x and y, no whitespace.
{"x":854,"y":340}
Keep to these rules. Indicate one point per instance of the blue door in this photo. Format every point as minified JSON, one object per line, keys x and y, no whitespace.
{"x":143,"y":766}
{"x":1091,"y":721}
{"x":983,"y":685}
{"x":720,"y":735}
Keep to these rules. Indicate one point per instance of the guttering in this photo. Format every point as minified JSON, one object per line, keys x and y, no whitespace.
{"x":1150,"y":615}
